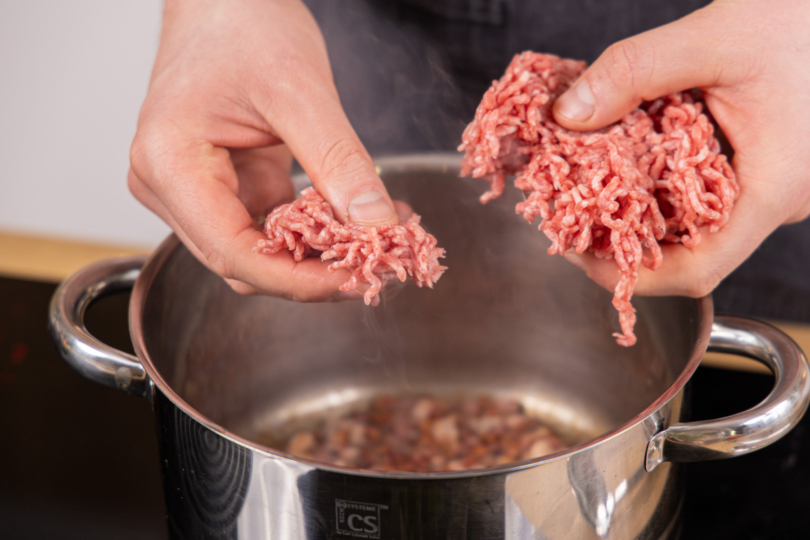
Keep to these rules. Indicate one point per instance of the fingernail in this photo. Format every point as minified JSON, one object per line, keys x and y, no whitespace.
{"x":577,"y":102}
{"x":575,"y":260}
{"x":370,"y":207}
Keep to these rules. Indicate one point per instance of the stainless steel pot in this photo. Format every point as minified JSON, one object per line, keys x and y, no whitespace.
{"x":505,"y":319}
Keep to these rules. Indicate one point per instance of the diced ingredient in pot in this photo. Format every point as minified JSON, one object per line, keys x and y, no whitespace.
{"x":422,"y":433}
{"x":308,"y":225}
{"x":656,"y":175}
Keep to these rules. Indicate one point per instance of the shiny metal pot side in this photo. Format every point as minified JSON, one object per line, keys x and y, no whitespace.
{"x":506,"y":319}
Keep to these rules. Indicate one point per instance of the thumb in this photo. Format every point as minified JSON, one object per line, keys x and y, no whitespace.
{"x":659,"y":62}
{"x":312,"y":123}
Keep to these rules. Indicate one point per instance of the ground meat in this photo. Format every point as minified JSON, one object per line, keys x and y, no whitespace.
{"x":423,"y":433}
{"x":656,"y":175}
{"x":308,"y":225}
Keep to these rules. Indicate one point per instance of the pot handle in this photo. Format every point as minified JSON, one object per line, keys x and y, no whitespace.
{"x":755,"y":428}
{"x":89,"y":356}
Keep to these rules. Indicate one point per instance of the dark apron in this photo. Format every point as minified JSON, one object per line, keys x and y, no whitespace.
{"x":411,"y":72}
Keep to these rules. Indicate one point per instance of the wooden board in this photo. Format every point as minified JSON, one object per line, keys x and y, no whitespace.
{"x":799,"y":332}
{"x":52,"y":260}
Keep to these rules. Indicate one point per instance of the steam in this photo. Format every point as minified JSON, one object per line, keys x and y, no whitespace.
{"x":393,"y":82}
{"x":386,"y":334}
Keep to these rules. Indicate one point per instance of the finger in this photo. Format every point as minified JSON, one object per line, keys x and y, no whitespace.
{"x":147,"y":197}
{"x":404,"y":211}
{"x":264,"y":177}
{"x":656,"y":63}
{"x":245,"y":289}
{"x":311,"y":121}
{"x":696,"y":272}
{"x":194,"y":190}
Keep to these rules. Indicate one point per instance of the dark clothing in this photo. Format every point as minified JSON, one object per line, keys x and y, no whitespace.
{"x":411,"y":72}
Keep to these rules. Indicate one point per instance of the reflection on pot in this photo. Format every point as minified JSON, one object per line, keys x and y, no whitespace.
{"x":207,"y":477}
{"x":596,"y":503}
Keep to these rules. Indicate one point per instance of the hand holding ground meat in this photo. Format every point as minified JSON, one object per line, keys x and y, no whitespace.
{"x":238,"y":87}
{"x":750,"y":59}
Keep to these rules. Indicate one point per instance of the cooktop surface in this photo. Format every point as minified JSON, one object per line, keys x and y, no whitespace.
{"x":80,"y":461}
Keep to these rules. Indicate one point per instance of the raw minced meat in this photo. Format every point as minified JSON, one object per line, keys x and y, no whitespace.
{"x":426,"y":433}
{"x":656,"y":175}
{"x":370,"y":253}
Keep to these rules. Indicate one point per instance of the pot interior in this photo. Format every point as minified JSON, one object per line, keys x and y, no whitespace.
{"x":505,"y":319}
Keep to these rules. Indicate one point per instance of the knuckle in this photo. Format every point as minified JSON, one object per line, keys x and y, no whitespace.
{"x":219,"y":262}
{"x":342,"y":157}
{"x":148,"y":145}
{"x":309,"y":297}
{"x":302,"y":288}
{"x":138,"y":155}
{"x":240,"y":287}
{"x":296,"y":296}
{"x":302,"y":294}
{"x":704,"y":282}
{"x":626,"y":63}
{"x":136,"y":186}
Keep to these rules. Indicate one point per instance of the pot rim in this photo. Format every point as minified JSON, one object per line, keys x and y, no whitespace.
{"x":439,"y":162}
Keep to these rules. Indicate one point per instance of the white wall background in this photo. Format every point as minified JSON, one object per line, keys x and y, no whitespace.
{"x":73,"y":74}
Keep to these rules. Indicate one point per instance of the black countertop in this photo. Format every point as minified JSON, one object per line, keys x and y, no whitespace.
{"x":80,"y":461}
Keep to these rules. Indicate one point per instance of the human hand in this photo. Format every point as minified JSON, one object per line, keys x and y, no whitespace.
{"x":750,"y":59}
{"x":237,"y":88}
